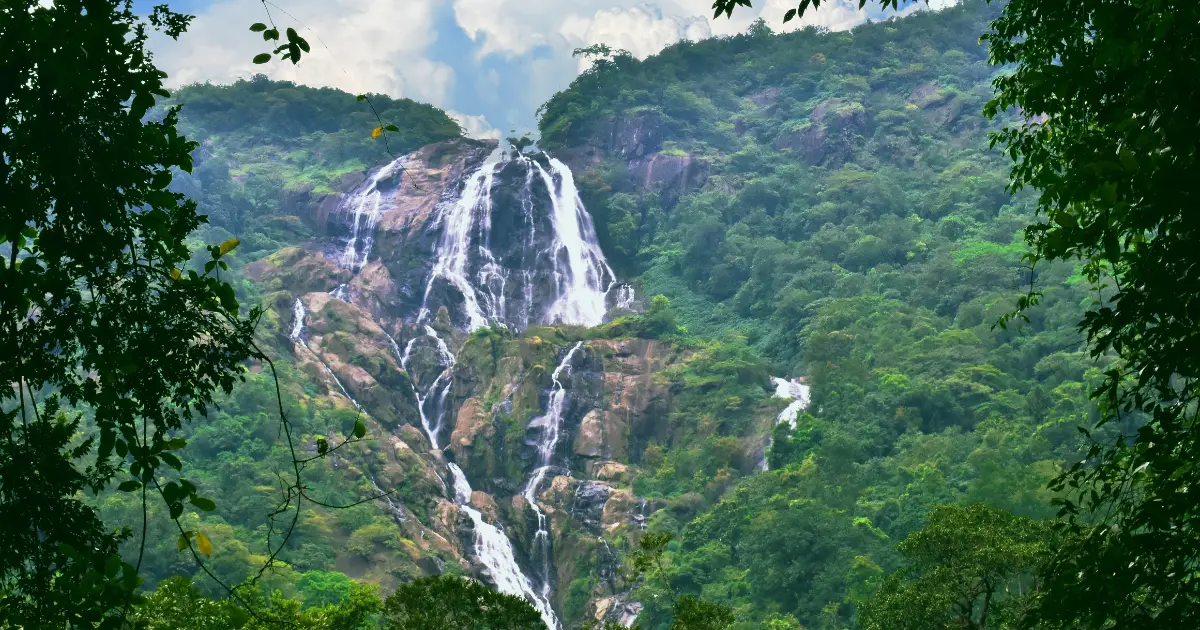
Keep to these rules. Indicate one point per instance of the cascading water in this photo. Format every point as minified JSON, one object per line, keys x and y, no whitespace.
{"x":367,"y":204}
{"x":558,"y":275}
{"x":492,"y":547}
{"x":799,"y":394}
{"x":297,"y":336}
{"x":624,"y":297}
{"x":457,"y":221}
{"x":551,"y":425}
{"x":554,"y":271}
{"x":581,"y":273}
{"x":495,"y":551}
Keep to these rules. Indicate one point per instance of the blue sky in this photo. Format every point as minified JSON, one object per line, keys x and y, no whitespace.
{"x":488,"y":62}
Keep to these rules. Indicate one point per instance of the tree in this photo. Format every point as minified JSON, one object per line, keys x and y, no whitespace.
{"x":1110,"y":142}
{"x":95,"y":310}
{"x":446,"y":601}
{"x":177,"y":604}
{"x":970,"y":568}
{"x":110,"y":339}
{"x":688,"y":612}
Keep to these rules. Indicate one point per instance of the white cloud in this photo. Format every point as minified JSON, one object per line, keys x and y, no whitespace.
{"x":476,"y":126}
{"x":357,"y":46}
{"x":643,"y":30}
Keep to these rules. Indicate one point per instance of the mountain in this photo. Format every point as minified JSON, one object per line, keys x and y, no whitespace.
{"x":743,"y":293}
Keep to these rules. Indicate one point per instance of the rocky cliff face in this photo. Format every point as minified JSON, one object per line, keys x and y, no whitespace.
{"x":426,"y":304}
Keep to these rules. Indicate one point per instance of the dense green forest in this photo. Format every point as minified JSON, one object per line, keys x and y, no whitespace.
{"x":217,"y":436}
{"x":854,"y":228}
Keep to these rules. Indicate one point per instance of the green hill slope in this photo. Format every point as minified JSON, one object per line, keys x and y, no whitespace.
{"x":831,"y":198}
{"x":816,"y":205}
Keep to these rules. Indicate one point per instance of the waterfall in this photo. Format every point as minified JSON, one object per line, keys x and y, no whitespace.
{"x":495,"y":551}
{"x":298,"y":315}
{"x":551,"y":425}
{"x":795,"y":391}
{"x":492,"y":548}
{"x":457,"y":221}
{"x":367,"y":205}
{"x":799,"y":394}
{"x":569,"y":253}
{"x":581,"y":274}
{"x":438,"y":390}
{"x":297,"y":336}
{"x":623,"y":300}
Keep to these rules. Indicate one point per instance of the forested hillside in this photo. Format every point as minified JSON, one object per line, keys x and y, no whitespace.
{"x":538,"y":393}
{"x":831,"y":198}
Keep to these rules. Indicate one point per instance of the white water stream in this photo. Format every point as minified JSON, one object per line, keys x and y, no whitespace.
{"x":551,"y":426}
{"x":581,"y":278}
{"x":367,"y":205}
{"x":581,"y":273}
{"x":799,"y":394}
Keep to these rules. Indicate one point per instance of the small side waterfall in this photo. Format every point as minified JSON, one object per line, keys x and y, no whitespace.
{"x":799,"y":394}
{"x":551,"y":426}
{"x":297,"y":336}
{"x":367,"y":205}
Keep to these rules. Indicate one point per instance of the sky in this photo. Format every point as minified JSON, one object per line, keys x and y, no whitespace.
{"x":489,"y":63}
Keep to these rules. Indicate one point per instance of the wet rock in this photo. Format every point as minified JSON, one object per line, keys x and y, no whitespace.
{"x":618,"y":510}
{"x":588,"y":506}
{"x":589,"y":442}
{"x":609,"y":471}
{"x":670,"y":174}
{"x":297,"y":271}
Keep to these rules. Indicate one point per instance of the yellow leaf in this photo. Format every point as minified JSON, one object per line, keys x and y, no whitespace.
{"x":203,"y":544}
{"x":376,"y":132}
{"x":176,"y":274}
{"x":229,"y":245}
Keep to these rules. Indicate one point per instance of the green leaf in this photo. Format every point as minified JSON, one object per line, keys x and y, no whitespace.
{"x":262,"y":58}
{"x":130,"y":486}
{"x":360,"y":98}
{"x":360,"y":429}
{"x":322,"y":446}
{"x":112,"y":565}
{"x":258,"y":27}
{"x":392,"y":128}
{"x":271,"y":34}
{"x":181,"y":542}
{"x":171,"y":460}
{"x":175,"y":444}
{"x":204,"y":503}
